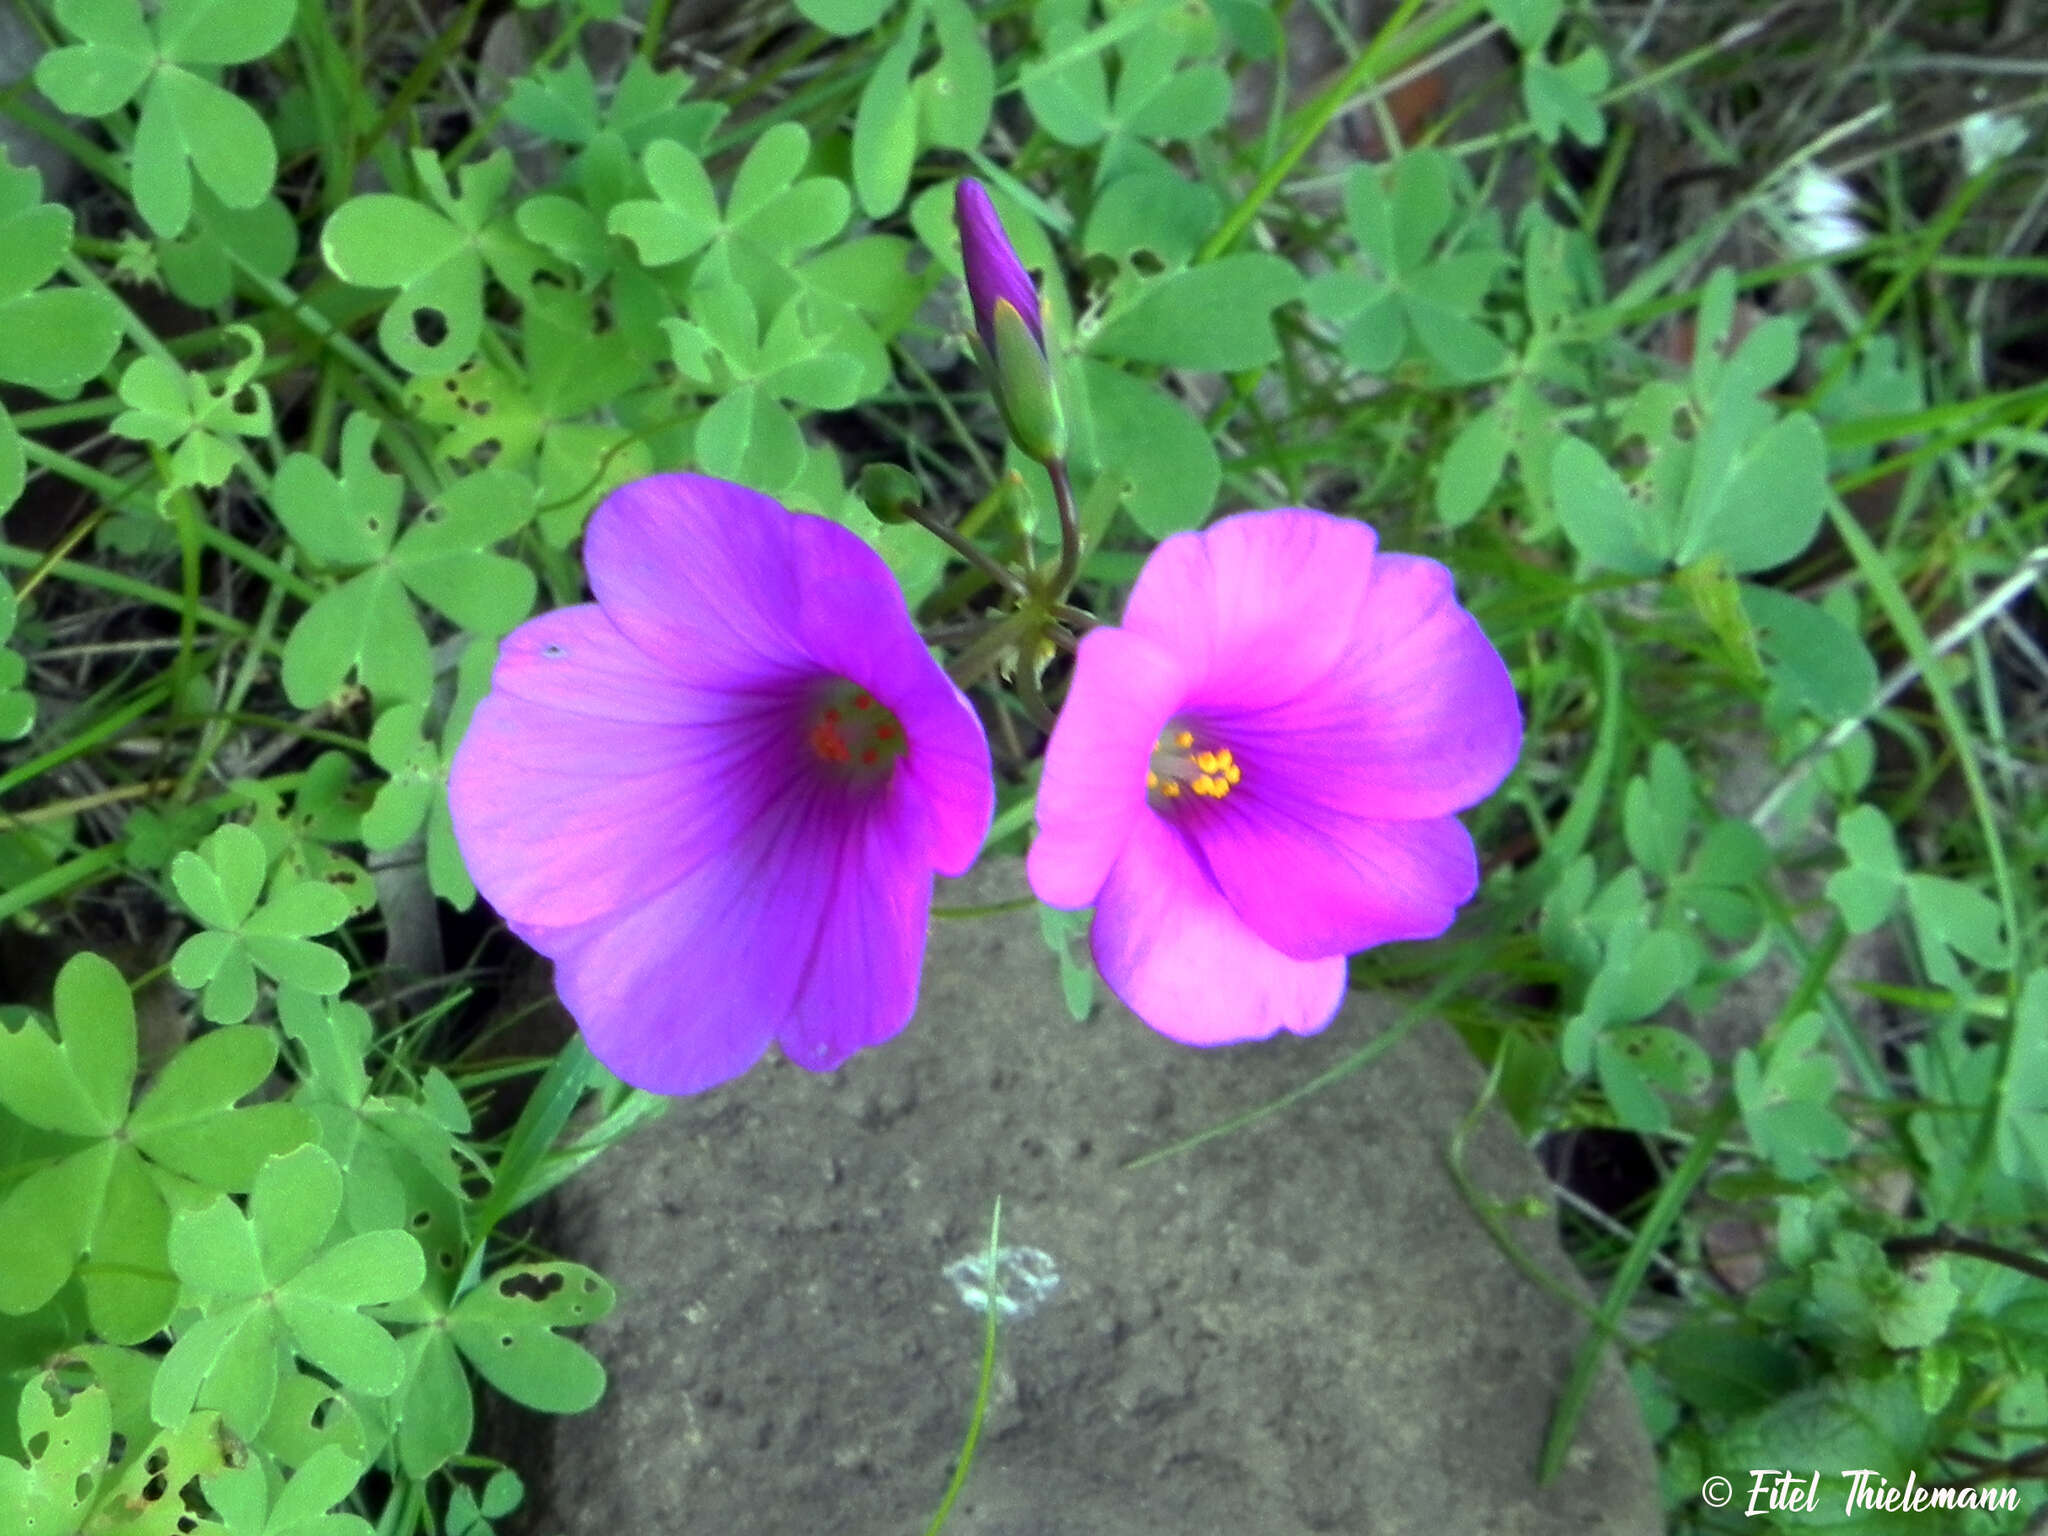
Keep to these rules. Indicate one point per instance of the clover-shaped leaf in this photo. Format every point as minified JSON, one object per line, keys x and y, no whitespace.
{"x":505,"y":1327}
{"x":367,"y":623}
{"x":168,"y":405}
{"x":67,"y":1435}
{"x":242,"y":1497}
{"x":270,"y":1285}
{"x":220,"y":885}
{"x":1425,"y":276}
{"x":566,"y":106}
{"x":1154,"y":100}
{"x":1786,"y":1091}
{"x":104,"y":1190}
{"x":435,"y":257}
{"x":188,"y":124}
{"x":772,"y":212}
{"x":1563,"y":98}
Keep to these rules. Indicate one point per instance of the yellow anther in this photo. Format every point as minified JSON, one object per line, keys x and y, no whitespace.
{"x":1151,"y":779}
{"x":1170,"y":789}
{"x":1184,"y":740}
{"x":1206,"y":761}
{"x":1231,"y":771}
{"x":1223,"y":758}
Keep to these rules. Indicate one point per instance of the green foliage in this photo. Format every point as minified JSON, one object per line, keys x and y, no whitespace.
{"x":274,"y":544}
{"x":186,"y":123}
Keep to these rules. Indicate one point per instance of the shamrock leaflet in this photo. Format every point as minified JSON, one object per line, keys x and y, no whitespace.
{"x":271,"y":1285}
{"x":188,"y":124}
{"x":220,"y":885}
{"x":112,"y":1175}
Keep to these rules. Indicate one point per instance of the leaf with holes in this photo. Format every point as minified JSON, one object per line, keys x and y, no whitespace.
{"x":506,"y":1329}
{"x":67,"y":1434}
{"x":435,"y":256}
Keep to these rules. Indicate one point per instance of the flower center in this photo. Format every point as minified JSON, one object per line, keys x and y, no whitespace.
{"x":1184,"y":768}
{"x":853,"y":733}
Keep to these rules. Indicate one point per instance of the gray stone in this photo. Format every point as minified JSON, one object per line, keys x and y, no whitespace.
{"x":1296,"y":1327}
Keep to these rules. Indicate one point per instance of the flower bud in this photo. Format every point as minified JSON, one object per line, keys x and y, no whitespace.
{"x":890,"y":492}
{"x":1024,"y":388}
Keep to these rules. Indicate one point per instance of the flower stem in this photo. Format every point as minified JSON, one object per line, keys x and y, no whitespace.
{"x":1007,"y":579}
{"x":1070,"y":529}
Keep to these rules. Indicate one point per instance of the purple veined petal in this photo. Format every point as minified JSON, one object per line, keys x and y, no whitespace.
{"x":1312,"y":883}
{"x":853,"y":622}
{"x":1417,"y":719}
{"x":1258,"y":606}
{"x":574,"y":660}
{"x":698,"y":573}
{"x":866,"y":923}
{"x":566,"y":815}
{"x":1179,"y":956}
{"x":1092,"y":791}
{"x":809,"y":927}
{"x":993,"y":271}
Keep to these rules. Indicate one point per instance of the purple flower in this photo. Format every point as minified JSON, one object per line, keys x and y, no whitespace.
{"x":715,"y":797}
{"x":1255,"y":776}
{"x":994,"y":274}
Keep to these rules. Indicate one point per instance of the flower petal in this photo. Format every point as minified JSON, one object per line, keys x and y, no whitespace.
{"x":1172,"y":948}
{"x":565,"y":811}
{"x":575,"y":660}
{"x":1258,"y":606}
{"x":1314,"y":882}
{"x":993,"y":271}
{"x":1093,"y":789}
{"x":1417,"y":719}
{"x":810,"y":927}
{"x":699,"y":574}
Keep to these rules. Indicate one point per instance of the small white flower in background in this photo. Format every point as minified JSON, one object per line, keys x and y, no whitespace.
{"x":1822,"y":219}
{"x":1987,"y":138}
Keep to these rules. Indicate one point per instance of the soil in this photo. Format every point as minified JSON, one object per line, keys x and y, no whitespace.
{"x":1296,"y":1327}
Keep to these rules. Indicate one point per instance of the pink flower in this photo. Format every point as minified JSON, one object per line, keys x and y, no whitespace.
{"x":715,"y":798}
{"x":1256,"y":775}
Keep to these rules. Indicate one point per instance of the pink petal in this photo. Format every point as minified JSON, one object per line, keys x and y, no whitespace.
{"x":1092,"y":791}
{"x":809,"y":927}
{"x":1417,"y":719}
{"x":698,"y":573}
{"x":565,"y":813}
{"x":1258,"y":606}
{"x":1313,"y":882}
{"x":1170,"y":946}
